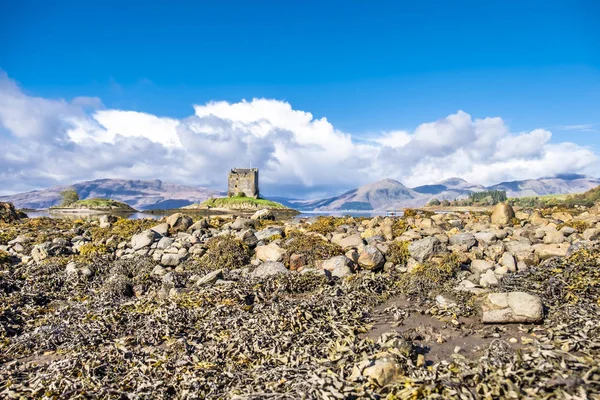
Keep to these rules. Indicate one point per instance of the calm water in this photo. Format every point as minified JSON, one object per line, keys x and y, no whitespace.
{"x":139,"y":215}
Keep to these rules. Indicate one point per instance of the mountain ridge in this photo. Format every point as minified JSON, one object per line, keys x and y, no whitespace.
{"x":380,"y":195}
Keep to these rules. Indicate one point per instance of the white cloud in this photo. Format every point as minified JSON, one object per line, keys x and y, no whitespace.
{"x":51,"y":141}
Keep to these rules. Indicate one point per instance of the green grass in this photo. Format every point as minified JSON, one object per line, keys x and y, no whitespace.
{"x":232,"y":202}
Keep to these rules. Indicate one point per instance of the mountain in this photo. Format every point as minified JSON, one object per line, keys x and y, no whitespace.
{"x":141,"y":195}
{"x":449,"y":189}
{"x":380,"y":195}
{"x":560,"y":184}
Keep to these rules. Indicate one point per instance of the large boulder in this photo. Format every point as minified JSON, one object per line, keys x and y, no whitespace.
{"x":143,"y":239}
{"x":8,"y":213}
{"x":243,"y":223}
{"x":424,"y":249}
{"x":465,"y":239}
{"x":179,"y":222}
{"x":503,"y":214}
{"x":270,"y":268}
{"x":349,"y":242}
{"x":264,"y":215}
{"x":371,"y":258}
{"x":519,"y":307}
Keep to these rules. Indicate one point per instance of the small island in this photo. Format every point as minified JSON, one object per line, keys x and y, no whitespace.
{"x":72,"y":204}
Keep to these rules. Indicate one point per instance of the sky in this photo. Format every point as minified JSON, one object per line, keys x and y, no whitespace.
{"x":322,"y":96}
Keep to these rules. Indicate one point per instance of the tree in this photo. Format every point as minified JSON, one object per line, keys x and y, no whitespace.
{"x":68,"y":197}
{"x":434,"y":202}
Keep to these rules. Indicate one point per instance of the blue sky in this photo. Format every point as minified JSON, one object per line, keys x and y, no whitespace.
{"x":367,"y":67}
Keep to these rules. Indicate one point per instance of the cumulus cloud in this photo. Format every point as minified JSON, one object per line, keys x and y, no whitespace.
{"x":55,"y":141}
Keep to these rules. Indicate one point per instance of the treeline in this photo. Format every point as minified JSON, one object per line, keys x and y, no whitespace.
{"x":485,"y":198}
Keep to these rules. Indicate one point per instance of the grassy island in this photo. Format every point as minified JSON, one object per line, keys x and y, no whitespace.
{"x":237,"y":203}
{"x":97,"y":204}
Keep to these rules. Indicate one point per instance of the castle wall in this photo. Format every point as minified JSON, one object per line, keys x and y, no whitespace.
{"x":243,"y":181}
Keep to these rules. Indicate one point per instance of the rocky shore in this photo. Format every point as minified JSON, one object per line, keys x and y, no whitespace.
{"x":455,"y":305}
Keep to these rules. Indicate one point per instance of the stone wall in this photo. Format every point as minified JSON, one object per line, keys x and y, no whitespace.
{"x":243,"y":181}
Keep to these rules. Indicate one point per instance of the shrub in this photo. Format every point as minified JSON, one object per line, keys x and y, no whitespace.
{"x":434,"y":202}
{"x":445,"y":203}
{"x":68,"y":197}
{"x":399,"y":227}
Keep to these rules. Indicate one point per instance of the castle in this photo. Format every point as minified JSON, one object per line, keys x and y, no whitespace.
{"x":243,"y":181}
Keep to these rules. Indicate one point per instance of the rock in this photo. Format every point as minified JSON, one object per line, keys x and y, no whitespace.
{"x":481,"y":266}
{"x":202,"y":224}
{"x":568,"y":231}
{"x":107,"y":220}
{"x":179,"y":222}
{"x":468,"y":286}
{"x":546,"y":251}
{"x":383,"y":369}
{"x":488,"y":278}
{"x":578,"y":246}
{"x":210,"y":278}
{"x":554,"y":237}
{"x":8,"y":213}
{"x":591,"y":234}
{"x":503,"y":214}
{"x":512,"y":307}
{"x":39,"y":252}
{"x":350,"y":242}
{"x":143,"y":239}
{"x":248,"y":237}
{"x":272,"y":252}
{"x":463,"y":239}
{"x":297,"y":261}
{"x":164,"y":242}
{"x":339,"y":266}
{"x":509,"y":262}
{"x":243,"y":223}
{"x":171,"y":260}
{"x":269,"y":268}
{"x":371,"y":258}
{"x":161,"y":229}
{"x":424,"y":249}
{"x":485,"y":237}
{"x":72,"y":269}
{"x":263,"y":215}
{"x":268,"y":233}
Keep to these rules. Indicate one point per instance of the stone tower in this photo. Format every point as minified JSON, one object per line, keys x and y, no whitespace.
{"x":243,"y":181}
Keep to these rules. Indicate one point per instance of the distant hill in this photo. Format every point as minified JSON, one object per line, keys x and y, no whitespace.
{"x":381,"y":195}
{"x":139,"y":194}
{"x":560,"y":184}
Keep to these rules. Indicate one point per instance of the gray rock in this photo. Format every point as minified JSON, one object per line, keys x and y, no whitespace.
{"x":554,"y":237}
{"x":354,"y":241}
{"x":591,"y":234}
{"x":143,"y":239}
{"x":243,"y":223}
{"x":481,"y":266}
{"x":488,"y":278}
{"x":202,"y":224}
{"x":463,"y":239}
{"x":107,"y":220}
{"x":263,"y":215}
{"x":339,"y":266}
{"x":171,"y":260}
{"x":512,"y":307}
{"x":509,"y":262}
{"x":210,"y":278}
{"x":371,"y":258}
{"x":485,"y":237}
{"x":40,"y":252}
{"x":424,"y":249}
{"x":161,"y":229}
{"x":268,"y":233}
{"x":179,"y":222}
{"x":268,"y":269}
{"x":164,"y":243}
